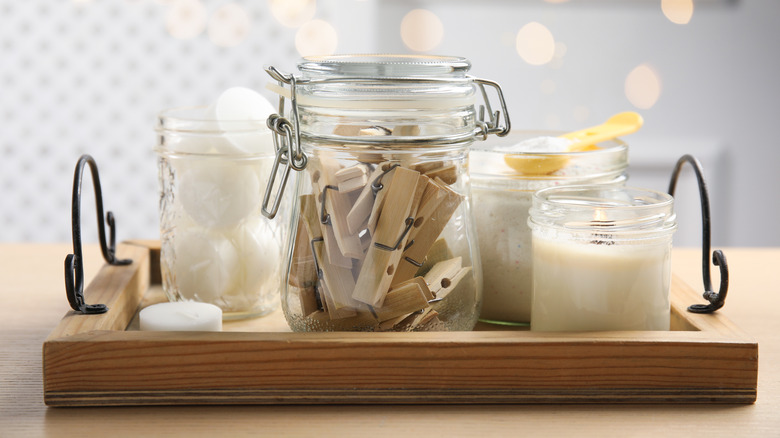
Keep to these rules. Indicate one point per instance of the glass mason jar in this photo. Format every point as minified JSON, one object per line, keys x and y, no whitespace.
{"x":216,"y":246}
{"x":501,"y":198}
{"x":382,"y":236}
{"x":601,"y":258}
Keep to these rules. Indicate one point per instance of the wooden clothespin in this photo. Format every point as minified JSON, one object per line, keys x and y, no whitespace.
{"x":445,"y":276}
{"x":309,"y":301}
{"x":437,"y":206}
{"x":406,"y":130}
{"x":334,"y":207}
{"x":336,"y":286}
{"x":302,"y":272}
{"x":387,"y":242}
{"x":352,"y":178}
{"x":406,"y":298}
{"x":371,"y":195}
{"x":448,"y":174}
{"x":335,"y":283}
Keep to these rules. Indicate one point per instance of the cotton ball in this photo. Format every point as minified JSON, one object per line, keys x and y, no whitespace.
{"x":261,"y":252}
{"x":242,"y":113}
{"x":219,"y":193}
{"x":261,"y":257}
{"x":205,"y":264}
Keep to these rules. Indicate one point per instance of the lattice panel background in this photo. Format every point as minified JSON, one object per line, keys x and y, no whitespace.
{"x":90,"y":77}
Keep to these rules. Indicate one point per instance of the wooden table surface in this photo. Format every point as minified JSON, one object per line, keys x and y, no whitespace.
{"x":33,"y":301}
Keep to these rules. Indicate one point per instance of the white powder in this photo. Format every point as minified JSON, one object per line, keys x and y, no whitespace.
{"x":537,"y":144}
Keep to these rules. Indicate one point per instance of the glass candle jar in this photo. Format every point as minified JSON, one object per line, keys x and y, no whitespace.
{"x":382,"y":236}
{"x":601,"y":258}
{"x":216,"y":246}
{"x":502,"y":197}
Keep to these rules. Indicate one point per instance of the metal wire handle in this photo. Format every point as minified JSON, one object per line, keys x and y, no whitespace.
{"x":717,"y":300}
{"x":74,"y":269}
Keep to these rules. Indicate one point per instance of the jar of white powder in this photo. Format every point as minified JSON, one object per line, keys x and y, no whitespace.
{"x":502,"y":197}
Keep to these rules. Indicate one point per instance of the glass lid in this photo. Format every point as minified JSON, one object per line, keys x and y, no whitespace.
{"x":385,"y":66}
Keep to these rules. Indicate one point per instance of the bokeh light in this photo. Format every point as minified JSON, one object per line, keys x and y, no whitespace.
{"x":678,"y":11}
{"x":581,"y":113}
{"x":317,"y":37}
{"x":293,"y":13}
{"x":552,"y":121}
{"x":229,"y":25}
{"x":560,"y":49}
{"x":643,"y":87}
{"x":535,"y":44}
{"x":186,"y":19}
{"x":421,"y":30}
{"x":548,"y":86}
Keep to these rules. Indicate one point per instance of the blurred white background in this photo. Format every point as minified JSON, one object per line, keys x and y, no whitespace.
{"x":89,"y":77}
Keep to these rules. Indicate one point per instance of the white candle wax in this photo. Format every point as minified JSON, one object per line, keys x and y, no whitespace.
{"x":600,"y":286}
{"x":181,"y":316}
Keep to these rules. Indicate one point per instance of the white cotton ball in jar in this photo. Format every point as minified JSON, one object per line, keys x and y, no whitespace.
{"x":241,"y":114}
{"x":205,"y":264}
{"x":219,"y":193}
{"x":259,"y":250}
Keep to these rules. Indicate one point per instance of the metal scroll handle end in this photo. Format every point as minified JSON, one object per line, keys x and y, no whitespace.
{"x":716,"y":300}
{"x":74,"y":269}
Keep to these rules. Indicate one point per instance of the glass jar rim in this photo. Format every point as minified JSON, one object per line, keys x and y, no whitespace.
{"x":195,"y":119}
{"x":385,"y":66}
{"x":627,"y":212}
{"x":487,"y":162}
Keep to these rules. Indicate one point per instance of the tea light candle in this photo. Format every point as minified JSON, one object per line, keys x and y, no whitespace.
{"x":601,"y":259}
{"x":181,"y":316}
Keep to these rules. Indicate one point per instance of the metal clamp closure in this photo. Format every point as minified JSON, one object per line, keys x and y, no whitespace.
{"x":287,"y":143}
{"x":492,"y":126}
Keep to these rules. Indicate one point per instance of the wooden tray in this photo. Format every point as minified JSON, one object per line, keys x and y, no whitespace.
{"x":91,"y":360}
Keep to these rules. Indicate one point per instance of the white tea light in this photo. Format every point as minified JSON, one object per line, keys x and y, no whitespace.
{"x":601,"y":258}
{"x":181,"y":316}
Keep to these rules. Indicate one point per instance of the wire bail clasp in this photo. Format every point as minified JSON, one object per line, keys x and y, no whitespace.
{"x":287,"y":143}
{"x":74,"y":269}
{"x":493,"y":125}
{"x":717,"y":300}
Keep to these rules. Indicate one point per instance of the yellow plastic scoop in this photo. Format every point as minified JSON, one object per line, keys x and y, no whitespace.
{"x":551,"y":156}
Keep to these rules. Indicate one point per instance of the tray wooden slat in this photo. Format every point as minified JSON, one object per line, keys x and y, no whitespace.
{"x":89,"y":360}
